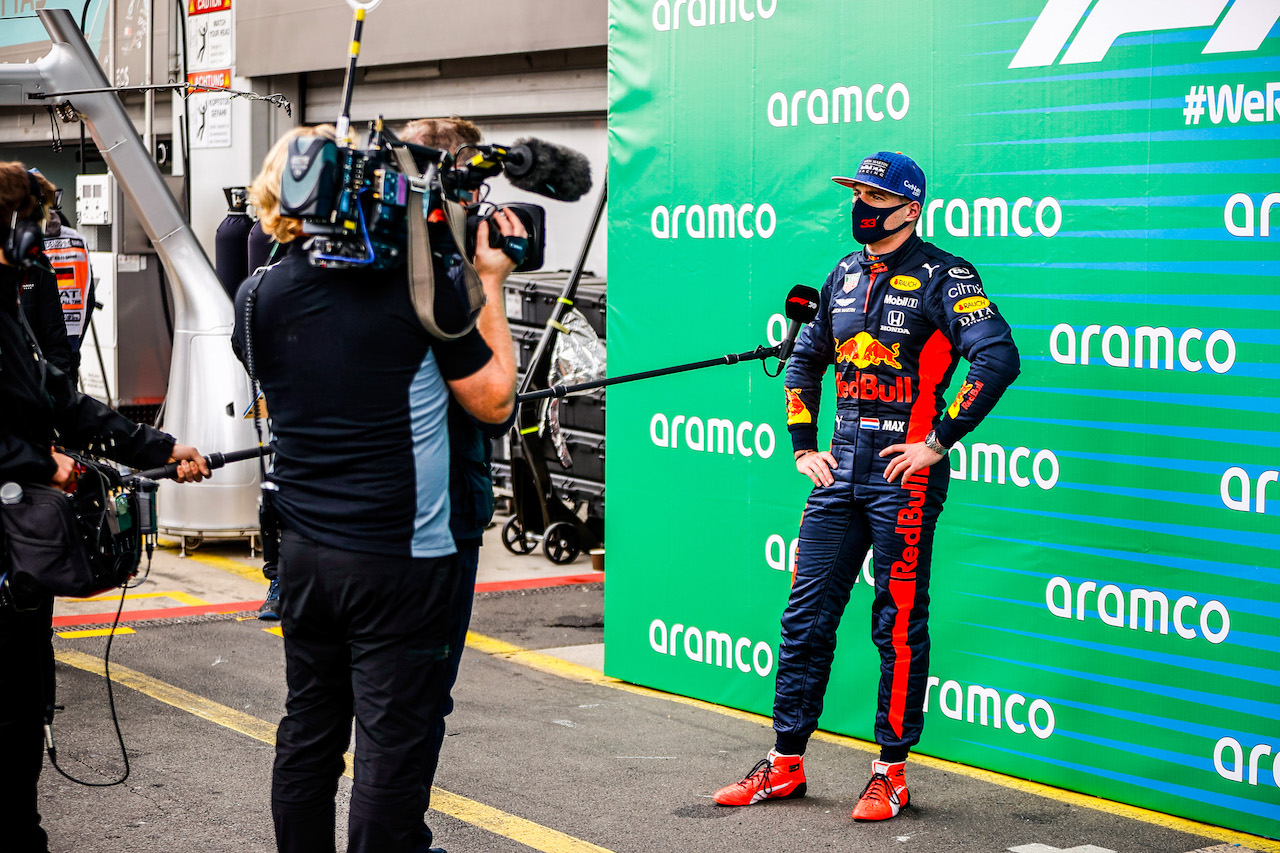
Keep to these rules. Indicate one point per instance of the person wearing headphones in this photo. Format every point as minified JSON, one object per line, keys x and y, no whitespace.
{"x":38,"y":407}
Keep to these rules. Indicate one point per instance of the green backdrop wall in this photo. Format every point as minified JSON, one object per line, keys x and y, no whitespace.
{"x":1106,"y":587}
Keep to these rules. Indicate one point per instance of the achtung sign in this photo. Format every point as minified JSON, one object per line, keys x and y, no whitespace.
{"x":210,"y":110}
{"x":219,"y":79}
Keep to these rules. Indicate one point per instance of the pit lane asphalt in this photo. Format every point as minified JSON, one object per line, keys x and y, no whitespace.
{"x":540,"y":754}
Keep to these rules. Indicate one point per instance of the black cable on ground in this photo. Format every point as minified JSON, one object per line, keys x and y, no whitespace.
{"x":115,"y":719}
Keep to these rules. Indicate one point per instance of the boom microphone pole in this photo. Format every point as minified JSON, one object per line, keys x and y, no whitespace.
{"x":760,"y":353}
{"x":802,"y":307}
{"x":343,"y":130}
{"x":215,"y":460}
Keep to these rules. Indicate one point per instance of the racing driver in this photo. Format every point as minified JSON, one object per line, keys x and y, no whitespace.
{"x":894,"y":319}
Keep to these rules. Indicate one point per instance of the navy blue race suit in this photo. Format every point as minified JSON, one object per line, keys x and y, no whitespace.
{"x":894,"y":327}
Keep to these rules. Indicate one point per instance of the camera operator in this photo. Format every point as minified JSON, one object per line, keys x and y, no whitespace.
{"x":39,"y":407}
{"x":358,"y":394}
{"x":264,"y":250}
{"x":470,"y":452}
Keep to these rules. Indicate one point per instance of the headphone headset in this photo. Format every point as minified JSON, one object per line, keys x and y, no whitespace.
{"x":25,"y":238}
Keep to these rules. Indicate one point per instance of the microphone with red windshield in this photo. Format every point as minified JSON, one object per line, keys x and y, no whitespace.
{"x":802,"y":307}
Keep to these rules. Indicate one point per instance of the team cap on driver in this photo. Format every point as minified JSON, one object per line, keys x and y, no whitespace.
{"x":891,"y":171}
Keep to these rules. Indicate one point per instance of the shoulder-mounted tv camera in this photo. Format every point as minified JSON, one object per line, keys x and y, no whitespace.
{"x":387,"y":203}
{"x":354,"y":202}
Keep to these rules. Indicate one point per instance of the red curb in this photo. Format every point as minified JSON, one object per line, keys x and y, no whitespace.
{"x":243,"y":606}
{"x":160,"y":613}
{"x":537,"y":583}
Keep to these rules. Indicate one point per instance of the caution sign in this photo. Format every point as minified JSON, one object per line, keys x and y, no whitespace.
{"x":204,"y":7}
{"x":209,"y":36}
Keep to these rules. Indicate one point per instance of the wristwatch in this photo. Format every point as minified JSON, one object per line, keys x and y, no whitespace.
{"x":931,"y":442}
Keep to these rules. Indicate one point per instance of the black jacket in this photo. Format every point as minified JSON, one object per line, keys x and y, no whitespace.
{"x":40,"y":408}
{"x":43,"y":307}
{"x":470,"y":475}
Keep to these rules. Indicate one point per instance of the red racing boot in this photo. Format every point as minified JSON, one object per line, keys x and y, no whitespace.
{"x":886,"y":793}
{"x":776,"y":777}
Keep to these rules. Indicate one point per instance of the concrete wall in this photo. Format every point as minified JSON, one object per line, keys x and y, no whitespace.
{"x":285,"y":36}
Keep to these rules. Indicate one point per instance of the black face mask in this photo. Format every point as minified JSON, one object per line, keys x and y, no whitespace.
{"x":868,"y":222}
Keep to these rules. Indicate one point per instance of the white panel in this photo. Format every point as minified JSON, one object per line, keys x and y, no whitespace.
{"x":101,"y":338}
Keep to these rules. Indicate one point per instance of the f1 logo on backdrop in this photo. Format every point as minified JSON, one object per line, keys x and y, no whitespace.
{"x":1243,"y":28}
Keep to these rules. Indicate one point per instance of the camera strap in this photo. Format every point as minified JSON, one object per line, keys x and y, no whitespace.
{"x":421,"y":269}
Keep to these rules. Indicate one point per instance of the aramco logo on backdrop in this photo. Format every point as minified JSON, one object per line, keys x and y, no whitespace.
{"x":842,"y":105}
{"x":1155,"y":344}
{"x":707,"y":13}
{"x":715,"y":435}
{"x":992,"y":217}
{"x":1243,"y":28}
{"x":1148,"y":610}
{"x":1230,"y":763}
{"x":1239,"y":212}
{"x":1252,"y":495}
{"x":713,"y":222}
{"x":984,"y":706}
{"x":988,"y":460}
{"x":711,"y":647}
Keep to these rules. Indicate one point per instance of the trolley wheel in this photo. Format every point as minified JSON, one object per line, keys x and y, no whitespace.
{"x":515,"y":539}
{"x":561,"y":543}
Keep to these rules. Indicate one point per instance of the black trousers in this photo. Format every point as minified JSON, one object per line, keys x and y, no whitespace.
{"x":26,"y":690}
{"x":460,"y":614}
{"x":365,"y":636}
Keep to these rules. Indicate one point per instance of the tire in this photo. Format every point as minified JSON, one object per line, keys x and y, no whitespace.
{"x":561,"y":543}
{"x":515,"y":539}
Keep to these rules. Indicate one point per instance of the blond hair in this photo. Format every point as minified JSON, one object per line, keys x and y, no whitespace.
{"x":264,"y":192}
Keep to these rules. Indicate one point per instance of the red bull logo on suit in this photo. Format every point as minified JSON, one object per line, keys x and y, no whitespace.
{"x":862,"y":350}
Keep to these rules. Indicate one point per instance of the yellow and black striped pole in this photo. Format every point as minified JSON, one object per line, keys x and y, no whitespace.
{"x":344,"y":119}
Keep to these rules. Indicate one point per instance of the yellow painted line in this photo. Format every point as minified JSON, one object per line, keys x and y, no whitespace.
{"x":509,"y":826}
{"x":493,"y":820}
{"x":95,"y":632}
{"x":576,"y":672}
{"x":175,"y":595}
{"x":277,"y":630}
{"x":235,"y":567}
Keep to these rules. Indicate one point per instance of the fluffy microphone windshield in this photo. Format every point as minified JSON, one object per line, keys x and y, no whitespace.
{"x":554,"y":171}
